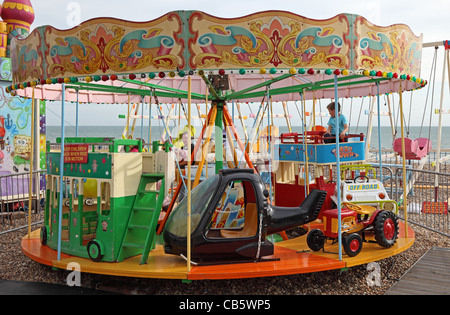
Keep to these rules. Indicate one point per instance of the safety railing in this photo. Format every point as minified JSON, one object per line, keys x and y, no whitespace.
{"x":15,"y":208}
{"x":315,"y":137}
{"x":389,"y":157}
{"x":427,"y":198}
{"x":427,"y":202}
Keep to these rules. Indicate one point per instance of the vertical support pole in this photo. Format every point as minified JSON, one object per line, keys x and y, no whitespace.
{"x":286,"y":115}
{"x":232,"y":110}
{"x":142,"y":118}
{"x":128,"y":117}
{"x":241,"y":118}
{"x":369,"y":130}
{"x":229,"y":138}
{"x":405,"y":194}
{"x":76,"y":115}
{"x":391,"y":118}
{"x":61,"y":169}
{"x":30,"y":181}
{"x":255,"y":128}
{"x":438,"y":153}
{"x":238,"y":140}
{"x":189,"y":180}
{"x":206,"y":108}
{"x":269,"y":141}
{"x":37,"y":150}
{"x":314,"y":110}
{"x":379,"y":131}
{"x":150,"y":121}
{"x":208,"y":127}
{"x":218,"y":133}
{"x":306,"y":167}
{"x":338,"y":167}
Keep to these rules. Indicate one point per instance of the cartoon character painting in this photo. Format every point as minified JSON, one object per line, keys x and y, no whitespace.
{"x":22,"y":152}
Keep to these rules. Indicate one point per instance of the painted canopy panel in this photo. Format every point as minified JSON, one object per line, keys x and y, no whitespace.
{"x":187,"y":40}
{"x":392,"y":49}
{"x":250,"y":49}
{"x":100,"y":46}
{"x":269,"y":39}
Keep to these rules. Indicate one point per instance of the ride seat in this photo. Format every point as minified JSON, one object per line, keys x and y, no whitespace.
{"x":250,"y":224}
{"x":414,"y":149}
{"x":319,"y":128}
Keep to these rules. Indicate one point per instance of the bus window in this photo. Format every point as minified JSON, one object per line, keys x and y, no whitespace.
{"x":105,"y":198}
{"x":74,"y":192}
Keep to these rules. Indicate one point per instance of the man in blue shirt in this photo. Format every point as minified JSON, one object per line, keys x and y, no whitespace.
{"x":330,"y":135}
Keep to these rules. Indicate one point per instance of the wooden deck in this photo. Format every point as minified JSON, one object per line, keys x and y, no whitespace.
{"x":430,"y":275}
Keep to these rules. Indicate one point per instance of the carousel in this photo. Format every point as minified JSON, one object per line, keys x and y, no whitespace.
{"x":143,"y":214}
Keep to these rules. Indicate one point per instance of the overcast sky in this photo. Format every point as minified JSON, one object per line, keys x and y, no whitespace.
{"x":429,"y":18}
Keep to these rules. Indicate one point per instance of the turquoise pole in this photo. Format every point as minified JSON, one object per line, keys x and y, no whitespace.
{"x":61,"y":170}
{"x":338,"y":167}
{"x":379,"y":131}
{"x":304,"y":143}
{"x":269,"y":142}
{"x":76,"y":120}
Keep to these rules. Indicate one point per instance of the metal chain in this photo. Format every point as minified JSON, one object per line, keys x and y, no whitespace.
{"x":260,"y":236}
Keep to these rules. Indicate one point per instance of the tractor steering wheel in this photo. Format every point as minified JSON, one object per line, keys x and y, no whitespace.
{"x":359,"y":209}
{"x":361,"y":176}
{"x":352,"y":206}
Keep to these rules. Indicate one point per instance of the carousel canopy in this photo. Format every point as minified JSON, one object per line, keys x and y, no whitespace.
{"x":107,"y":60}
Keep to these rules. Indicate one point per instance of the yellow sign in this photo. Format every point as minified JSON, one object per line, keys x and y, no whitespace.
{"x":364,"y":187}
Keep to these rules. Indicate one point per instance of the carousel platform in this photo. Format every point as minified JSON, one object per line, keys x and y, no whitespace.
{"x":291,"y":257}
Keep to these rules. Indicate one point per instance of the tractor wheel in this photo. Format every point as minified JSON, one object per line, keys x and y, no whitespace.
{"x":352,"y":244}
{"x":95,"y":250}
{"x":386,"y":228}
{"x":315,"y":240}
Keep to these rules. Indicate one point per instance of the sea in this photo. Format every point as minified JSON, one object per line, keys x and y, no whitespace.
{"x":412,"y":132}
